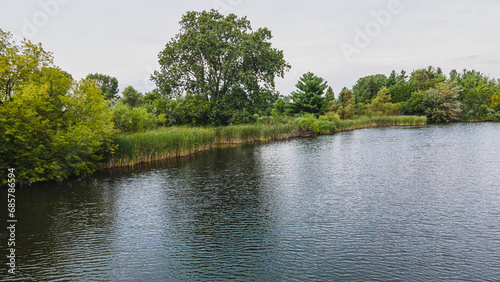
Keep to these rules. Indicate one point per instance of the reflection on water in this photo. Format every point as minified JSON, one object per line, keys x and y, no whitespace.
{"x":404,"y":203}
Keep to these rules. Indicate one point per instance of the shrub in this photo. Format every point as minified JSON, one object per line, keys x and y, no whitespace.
{"x":137,"y":119}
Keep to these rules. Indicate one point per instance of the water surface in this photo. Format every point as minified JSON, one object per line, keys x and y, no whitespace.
{"x":398,"y":203}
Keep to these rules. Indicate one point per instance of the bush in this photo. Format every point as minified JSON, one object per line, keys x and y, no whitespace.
{"x":51,"y":134}
{"x":137,"y":119}
{"x":441,"y":103}
{"x":241,"y":117}
{"x":309,"y":124}
{"x":266,"y":120}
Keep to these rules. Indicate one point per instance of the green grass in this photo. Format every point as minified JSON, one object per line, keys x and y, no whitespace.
{"x":172,"y":142}
{"x":365,"y":122}
{"x":163,"y":143}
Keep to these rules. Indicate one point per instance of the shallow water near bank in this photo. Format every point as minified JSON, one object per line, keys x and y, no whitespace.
{"x":404,"y":203}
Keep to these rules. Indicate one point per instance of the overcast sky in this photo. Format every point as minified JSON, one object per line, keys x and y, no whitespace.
{"x":340,"y":41}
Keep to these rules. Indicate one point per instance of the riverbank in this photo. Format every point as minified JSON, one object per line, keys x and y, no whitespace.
{"x":171,"y":142}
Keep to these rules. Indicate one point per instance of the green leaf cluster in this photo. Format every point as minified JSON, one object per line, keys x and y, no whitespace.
{"x":51,"y":127}
{"x":366,"y":88}
{"x":107,"y":84}
{"x":475,"y":96}
{"x":222,"y":59}
{"x":441,"y":103}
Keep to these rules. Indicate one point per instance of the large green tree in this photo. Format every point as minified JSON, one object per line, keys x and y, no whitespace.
{"x":224,"y":60}
{"x":308,"y":96}
{"x":477,"y":92}
{"x":329,"y":95}
{"x":132,"y":97}
{"x":380,"y":104}
{"x":345,"y":108}
{"x":366,"y":88}
{"x":401,"y":91}
{"x":441,"y":103}
{"x":495,"y":98}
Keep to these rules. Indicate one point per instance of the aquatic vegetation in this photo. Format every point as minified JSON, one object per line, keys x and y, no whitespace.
{"x":171,"y":142}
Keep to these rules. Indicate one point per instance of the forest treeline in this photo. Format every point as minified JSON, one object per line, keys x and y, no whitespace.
{"x":217,"y":71}
{"x":466,"y":96}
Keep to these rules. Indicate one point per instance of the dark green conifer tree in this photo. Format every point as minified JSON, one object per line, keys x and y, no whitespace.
{"x":308,"y":98}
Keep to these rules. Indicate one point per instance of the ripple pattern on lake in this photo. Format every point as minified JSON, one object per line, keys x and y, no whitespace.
{"x":400,"y":203}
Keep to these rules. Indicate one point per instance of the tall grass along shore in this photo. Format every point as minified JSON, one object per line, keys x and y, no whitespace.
{"x":163,"y":143}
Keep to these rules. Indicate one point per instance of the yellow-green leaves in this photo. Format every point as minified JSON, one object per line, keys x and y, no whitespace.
{"x":51,"y":127}
{"x":495,"y":100}
{"x":18,"y":63}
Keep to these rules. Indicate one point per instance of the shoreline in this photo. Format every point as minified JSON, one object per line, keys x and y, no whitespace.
{"x":176,"y":142}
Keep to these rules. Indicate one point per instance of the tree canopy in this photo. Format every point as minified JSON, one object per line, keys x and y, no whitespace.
{"x":366,"y":88}
{"x":51,"y":127}
{"x":222,"y":59}
{"x":108,"y":84}
{"x":441,"y":103}
{"x":18,"y":62}
{"x":132,"y":97}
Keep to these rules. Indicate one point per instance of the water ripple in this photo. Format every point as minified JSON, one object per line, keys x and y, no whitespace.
{"x":403,"y":204}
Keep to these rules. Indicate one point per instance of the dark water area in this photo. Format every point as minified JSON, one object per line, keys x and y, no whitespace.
{"x":398,"y":203}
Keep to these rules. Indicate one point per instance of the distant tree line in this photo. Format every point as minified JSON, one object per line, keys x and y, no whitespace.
{"x":469,"y":95}
{"x":217,"y":71}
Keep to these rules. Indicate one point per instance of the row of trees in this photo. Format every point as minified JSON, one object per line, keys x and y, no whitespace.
{"x":469,"y":95}
{"x":216,"y":71}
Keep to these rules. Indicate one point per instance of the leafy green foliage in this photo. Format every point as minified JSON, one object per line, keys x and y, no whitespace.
{"x":476,"y":102}
{"x":380,"y":105}
{"x":222,"y":59}
{"x":131,"y":97}
{"x":367,"y":87}
{"x":18,"y":63}
{"x":495,"y":101}
{"x":346,"y":107}
{"x":329,"y":95}
{"x":469,"y":80}
{"x":469,"y":95}
{"x":476,"y":93}
{"x":401,"y":91}
{"x":55,"y":129}
{"x":427,"y":78}
{"x":137,"y":119}
{"x":279,"y":108}
{"x":108,"y":84}
{"x":51,"y":127}
{"x":414,"y":105}
{"x":441,"y":104}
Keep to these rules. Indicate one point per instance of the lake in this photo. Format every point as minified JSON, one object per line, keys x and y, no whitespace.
{"x":396,"y":203}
